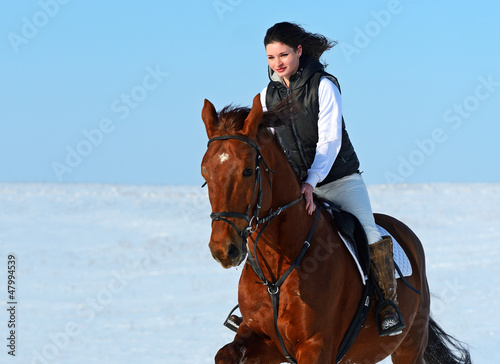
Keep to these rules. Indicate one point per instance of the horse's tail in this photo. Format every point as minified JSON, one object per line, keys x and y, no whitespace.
{"x":443,"y":348}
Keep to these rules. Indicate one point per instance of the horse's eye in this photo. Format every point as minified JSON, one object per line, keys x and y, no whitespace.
{"x":247,"y":172}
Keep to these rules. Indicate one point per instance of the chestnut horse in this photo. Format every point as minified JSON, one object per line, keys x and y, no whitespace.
{"x":255,"y":196}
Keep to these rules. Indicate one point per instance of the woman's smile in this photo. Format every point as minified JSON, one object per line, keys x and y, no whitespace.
{"x":283,"y":60}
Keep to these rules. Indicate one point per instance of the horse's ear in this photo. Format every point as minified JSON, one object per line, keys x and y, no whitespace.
{"x":209,"y":116}
{"x":254,"y":118}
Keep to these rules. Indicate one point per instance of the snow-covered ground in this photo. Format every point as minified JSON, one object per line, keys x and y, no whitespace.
{"x":123,"y":274}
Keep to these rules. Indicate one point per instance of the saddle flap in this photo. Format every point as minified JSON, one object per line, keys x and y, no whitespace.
{"x":352,"y":232}
{"x":354,"y":235}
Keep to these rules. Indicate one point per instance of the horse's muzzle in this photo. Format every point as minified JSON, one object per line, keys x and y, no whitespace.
{"x":229,"y":255}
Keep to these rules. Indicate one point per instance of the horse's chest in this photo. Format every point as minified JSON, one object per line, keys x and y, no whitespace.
{"x":259,"y":313}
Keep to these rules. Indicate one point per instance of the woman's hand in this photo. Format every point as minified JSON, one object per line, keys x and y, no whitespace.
{"x":307,"y":191}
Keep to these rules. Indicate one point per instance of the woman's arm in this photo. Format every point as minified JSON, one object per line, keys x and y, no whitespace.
{"x":263,"y":99}
{"x":329,"y":132}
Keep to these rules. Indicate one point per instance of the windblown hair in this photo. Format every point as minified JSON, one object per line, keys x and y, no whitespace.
{"x":293,"y":35}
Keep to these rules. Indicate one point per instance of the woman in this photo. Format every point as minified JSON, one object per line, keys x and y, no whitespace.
{"x":318,"y":146}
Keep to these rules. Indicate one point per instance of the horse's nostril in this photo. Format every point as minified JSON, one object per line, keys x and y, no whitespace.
{"x":233,"y":252}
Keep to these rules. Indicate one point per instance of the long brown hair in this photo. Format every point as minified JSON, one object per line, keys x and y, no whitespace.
{"x":294,"y":35}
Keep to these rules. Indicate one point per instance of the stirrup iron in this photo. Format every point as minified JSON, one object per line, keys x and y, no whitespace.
{"x":233,"y":322}
{"x":389,"y":330}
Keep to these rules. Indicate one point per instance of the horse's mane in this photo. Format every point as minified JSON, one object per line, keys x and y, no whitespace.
{"x":231,"y":118}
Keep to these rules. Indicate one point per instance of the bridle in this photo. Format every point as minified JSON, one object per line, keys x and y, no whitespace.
{"x":273,"y":288}
{"x":257,"y":194}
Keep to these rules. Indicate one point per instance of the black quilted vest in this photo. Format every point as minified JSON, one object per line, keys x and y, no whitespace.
{"x":300,"y":137}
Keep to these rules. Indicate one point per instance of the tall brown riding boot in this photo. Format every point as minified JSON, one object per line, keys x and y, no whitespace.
{"x":389,"y":318}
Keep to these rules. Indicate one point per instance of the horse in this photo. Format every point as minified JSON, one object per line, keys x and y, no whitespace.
{"x":247,"y":173}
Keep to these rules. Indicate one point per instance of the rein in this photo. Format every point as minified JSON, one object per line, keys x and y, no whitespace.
{"x":273,"y":288}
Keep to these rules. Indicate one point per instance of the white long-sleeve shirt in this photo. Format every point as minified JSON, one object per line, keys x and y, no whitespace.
{"x":329,"y":130}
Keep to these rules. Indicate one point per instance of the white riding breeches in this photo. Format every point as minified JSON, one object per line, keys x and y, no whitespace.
{"x":351,"y":195}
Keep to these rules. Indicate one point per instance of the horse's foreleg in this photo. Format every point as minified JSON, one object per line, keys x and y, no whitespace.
{"x":314,"y":351}
{"x":248,"y":348}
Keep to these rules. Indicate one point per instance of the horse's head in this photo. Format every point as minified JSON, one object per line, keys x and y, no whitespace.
{"x":232,"y":170}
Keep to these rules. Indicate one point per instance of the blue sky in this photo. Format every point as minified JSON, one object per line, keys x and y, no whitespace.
{"x":111,"y":92}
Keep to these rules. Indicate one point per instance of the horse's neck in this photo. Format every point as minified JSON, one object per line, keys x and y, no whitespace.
{"x":284,"y":183}
{"x":284,"y":238}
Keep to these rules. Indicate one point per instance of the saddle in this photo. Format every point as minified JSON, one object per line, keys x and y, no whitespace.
{"x":353,"y":234}
{"x":351,"y":231}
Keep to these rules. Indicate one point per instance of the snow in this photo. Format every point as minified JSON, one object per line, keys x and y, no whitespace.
{"x":123,"y":274}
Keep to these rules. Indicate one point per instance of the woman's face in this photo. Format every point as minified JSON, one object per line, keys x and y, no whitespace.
{"x":283,"y":60}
